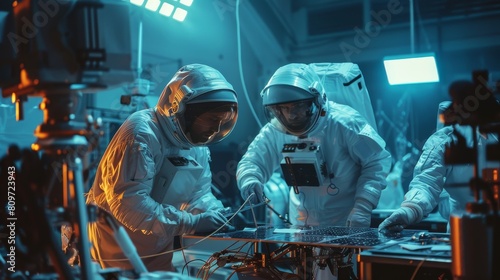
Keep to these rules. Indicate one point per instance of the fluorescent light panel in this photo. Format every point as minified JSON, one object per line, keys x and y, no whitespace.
{"x":137,"y":2}
{"x":411,"y":69}
{"x":179,"y":14}
{"x":153,"y":5}
{"x":186,"y":2}
{"x":166,"y":9}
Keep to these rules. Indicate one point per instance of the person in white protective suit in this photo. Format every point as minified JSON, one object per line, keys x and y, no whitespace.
{"x":197,"y":107}
{"x":355,"y":155}
{"x":437,"y":184}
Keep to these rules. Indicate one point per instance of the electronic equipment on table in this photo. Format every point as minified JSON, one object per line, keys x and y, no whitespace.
{"x":302,"y":250}
{"x":425,"y":255}
{"x":329,"y":236}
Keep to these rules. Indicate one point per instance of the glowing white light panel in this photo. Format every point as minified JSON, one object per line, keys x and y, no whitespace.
{"x":411,"y":69}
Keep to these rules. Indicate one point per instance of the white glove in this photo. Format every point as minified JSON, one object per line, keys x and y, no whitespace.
{"x":361,"y":214}
{"x":255,"y":188}
{"x":209,"y":221}
{"x":400,"y":219}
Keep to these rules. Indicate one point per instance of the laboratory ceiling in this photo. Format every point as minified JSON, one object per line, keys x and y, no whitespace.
{"x":301,"y":26}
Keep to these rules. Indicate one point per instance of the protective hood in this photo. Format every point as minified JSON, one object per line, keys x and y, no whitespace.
{"x":294,"y":99}
{"x":196,"y":89}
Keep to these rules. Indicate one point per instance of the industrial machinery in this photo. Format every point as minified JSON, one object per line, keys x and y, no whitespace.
{"x":292,"y":252}
{"x":58,"y":50}
{"x":475,"y":233}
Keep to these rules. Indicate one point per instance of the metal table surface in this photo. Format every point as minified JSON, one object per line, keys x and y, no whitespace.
{"x":300,"y":246}
{"x":329,"y":236}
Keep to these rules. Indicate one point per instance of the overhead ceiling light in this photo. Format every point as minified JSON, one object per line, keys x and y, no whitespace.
{"x":166,"y":9}
{"x":137,"y":2}
{"x":153,"y":5}
{"x":180,"y":14}
{"x":186,"y":2}
{"x":411,"y":69}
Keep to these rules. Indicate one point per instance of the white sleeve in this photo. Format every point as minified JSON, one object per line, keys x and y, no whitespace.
{"x":429,"y":174}
{"x":369,"y":150}
{"x":262,"y":157}
{"x":203,"y":198}
{"x":127,"y":178}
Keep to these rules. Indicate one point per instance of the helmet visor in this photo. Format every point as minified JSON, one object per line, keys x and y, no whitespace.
{"x":208,"y":123}
{"x":295,"y":118}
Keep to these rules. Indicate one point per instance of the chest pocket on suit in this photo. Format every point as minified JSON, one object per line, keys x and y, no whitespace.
{"x":176,"y":180}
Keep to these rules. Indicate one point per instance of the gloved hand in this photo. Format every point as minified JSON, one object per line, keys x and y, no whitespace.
{"x":209,"y":221}
{"x":361,"y":214}
{"x":256,"y":188}
{"x":400,"y":219}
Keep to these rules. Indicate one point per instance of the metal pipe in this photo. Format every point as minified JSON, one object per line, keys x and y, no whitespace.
{"x":412,"y":28}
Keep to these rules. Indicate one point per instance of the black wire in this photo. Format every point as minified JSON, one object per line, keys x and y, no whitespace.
{"x":187,"y":263}
{"x":231,"y":275}
{"x":213,"y":271}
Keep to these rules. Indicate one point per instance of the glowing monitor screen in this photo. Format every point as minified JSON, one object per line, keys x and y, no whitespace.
{"x":411,"y":69}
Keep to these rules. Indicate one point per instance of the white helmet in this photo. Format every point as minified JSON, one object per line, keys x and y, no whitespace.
{"x":294,"y":98}
{"x":197,"y":107}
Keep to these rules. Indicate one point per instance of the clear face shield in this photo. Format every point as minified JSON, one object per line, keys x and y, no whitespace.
{"x":295,"y":118}
{"x":208,"y":123}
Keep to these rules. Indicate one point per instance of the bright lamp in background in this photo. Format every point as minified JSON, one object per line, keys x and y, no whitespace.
{"x":169,"y":8}
{"x":411,"y":69}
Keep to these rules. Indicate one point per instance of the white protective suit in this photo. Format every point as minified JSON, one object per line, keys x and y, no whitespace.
{"x":446,"y":185}
{"x":132,"y":161}
{"x":433,"y":179}
{"x":354,"y":153}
